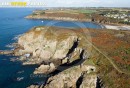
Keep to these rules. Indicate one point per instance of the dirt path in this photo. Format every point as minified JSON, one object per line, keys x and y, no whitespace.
{"x":109,"y":59}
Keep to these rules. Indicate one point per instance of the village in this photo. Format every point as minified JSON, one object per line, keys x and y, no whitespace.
{"x":122,"y":16}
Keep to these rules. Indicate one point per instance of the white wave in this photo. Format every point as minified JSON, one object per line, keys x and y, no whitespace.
{"x":10,"y":46}
{"x":19,"y":72}
{"x":16,"y":37}
{"x":19,"y":78}
{"x":27,"y":55}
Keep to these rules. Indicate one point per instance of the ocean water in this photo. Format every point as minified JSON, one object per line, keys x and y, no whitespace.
{"x":12,"y":24}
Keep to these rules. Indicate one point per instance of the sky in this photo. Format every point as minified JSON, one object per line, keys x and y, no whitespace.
{"x":79,"y":3}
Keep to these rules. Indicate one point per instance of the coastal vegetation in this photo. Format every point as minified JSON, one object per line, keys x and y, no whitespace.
{"x":105,"y":16}
{"x":107,"y":59}
{"x":76,"y":57}
{"x":87,"y":11}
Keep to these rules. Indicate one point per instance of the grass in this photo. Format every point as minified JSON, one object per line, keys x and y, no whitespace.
{"x":87,"y":11}
{"x":42,"y":13}
{"x":34,"y":14}
{"x":105,"y":40}
{"x":127,"y":51}
{"x":112,"y":46}
{"x":89,"y":62}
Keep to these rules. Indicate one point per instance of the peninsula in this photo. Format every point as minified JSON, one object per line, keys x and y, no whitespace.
{"x":108,"y":18}
{"x":76,"y":58}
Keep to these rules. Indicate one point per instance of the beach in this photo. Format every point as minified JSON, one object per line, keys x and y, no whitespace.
{"x":116,"y":27}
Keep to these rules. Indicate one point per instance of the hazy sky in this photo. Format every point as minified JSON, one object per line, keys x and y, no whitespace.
{"x":80,"y":3}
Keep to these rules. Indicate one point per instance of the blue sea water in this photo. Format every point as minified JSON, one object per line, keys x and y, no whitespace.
{"x":12,"y":24}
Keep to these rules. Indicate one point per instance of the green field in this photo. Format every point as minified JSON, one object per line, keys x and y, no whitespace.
{"x":87,"y":11}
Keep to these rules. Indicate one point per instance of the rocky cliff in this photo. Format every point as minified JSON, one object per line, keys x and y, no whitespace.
{"x":71,"y":16}
{"x":58,"y":18}
{"x":61,"y":52}
{"x":71,"y":59}
{"x":58,"y":15}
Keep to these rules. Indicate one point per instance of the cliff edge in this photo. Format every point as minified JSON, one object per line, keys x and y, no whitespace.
{"x":61,"y":52}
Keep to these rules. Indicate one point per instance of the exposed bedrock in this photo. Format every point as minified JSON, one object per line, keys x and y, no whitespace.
{"x":50,"y":48}
{"x":58,"y":51}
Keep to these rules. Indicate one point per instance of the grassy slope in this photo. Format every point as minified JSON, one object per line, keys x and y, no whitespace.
{"x":114,"y":72}
{"x":107,"y":44}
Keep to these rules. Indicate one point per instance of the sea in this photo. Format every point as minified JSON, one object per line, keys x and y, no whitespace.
{"x":13,"y":24}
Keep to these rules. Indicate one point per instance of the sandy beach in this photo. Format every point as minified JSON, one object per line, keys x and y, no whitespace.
{"x":125,"y":27}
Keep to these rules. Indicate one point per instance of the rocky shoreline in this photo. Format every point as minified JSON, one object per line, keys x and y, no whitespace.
{"x":57,"y":49}
{"x":68,"y":57}
{"x":58,"y":18}
{"x":117,"y":27}
{"x":103,"y":25}
{"x":104,"y":22}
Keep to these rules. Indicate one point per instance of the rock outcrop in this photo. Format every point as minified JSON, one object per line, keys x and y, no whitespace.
{"x":58,"y":49}
{"x":73,"y":77}
{"x":59,"y":16}
{"x":44,"y":69}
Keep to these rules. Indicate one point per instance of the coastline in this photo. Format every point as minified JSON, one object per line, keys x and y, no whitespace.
{"x":27,"y":66}
{"x":116,"y":27}
{"x":103,"y":25}
{"x":69,"y":20}
{"x":58,"y":18}
{"x":42,"y":68}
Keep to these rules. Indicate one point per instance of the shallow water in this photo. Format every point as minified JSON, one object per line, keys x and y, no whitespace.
{"x":12,"y":24}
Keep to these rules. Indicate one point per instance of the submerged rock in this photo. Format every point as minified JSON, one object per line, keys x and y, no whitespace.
{"x":6,"y":52}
